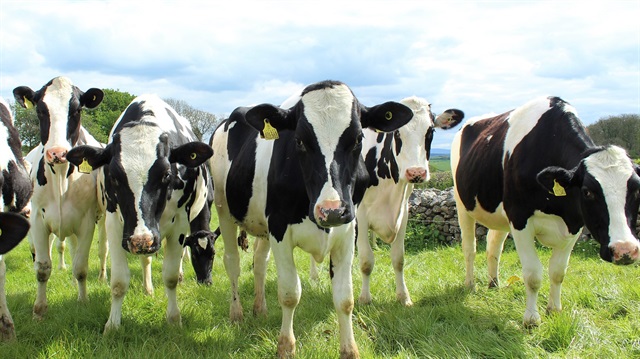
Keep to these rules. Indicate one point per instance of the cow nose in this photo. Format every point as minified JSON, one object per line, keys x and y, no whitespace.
{"x":330,"y":212}
{"x":416,"y":174}
{"x":625,"y":252}
{"x":142,"y":244}
{"x":56,"y":155}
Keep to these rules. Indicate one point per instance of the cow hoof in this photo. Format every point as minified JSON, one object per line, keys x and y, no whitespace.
{"x":493,"y":283}
{"x":39,"y":311}
{"x":365,"y":299}
{"x":175,"y":320}
{"x":260,"y":309}
{"x":405,"y":301}
{"x":7,"y":330}
{"x":532,"y":322}
{"x":286,"y":347}
{"x":351,"y":353}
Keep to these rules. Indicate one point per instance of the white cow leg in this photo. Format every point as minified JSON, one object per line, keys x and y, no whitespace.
{"x":289,"y":291}
{"x":397,"y":260}
{"x":81,"y":259}
{"x":532,"y":273}
{"x":313,"y":269}
{"x":120,"y":277}
{"x":468,"y":235}
{"x":171,"y":277}
{"x":557,"y":270}
{"x":103,"y":249}
{"x":495,"y":244}
{"x":260,"y":261}
{"x":366,"y":259}
{"x":147,"y":283}
{"x":42,"y":265}
{"x":60,"y":248}
{"x":7,"y":330}
{"x":231,"y":260}
{"x":342,"y":287}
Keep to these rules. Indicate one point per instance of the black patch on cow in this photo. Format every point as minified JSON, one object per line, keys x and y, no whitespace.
{"x":242,"y":145}
{"x":73,"y":121}
{"x":370,"y":162}
{"x":133,"y":113}
{"x":428,"y":138}
{"x":70,"y":171}
{"x":398,"y":141}
{"x":380,"y":137}
{"x":45,"y":121}
{"x":386,"y":165}
{"x":40,"y":176}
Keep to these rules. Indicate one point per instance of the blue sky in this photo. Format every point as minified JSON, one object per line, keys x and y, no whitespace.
{"x":480,"y":56}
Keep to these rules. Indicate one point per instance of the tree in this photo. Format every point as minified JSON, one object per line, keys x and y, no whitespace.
{"x":622,"y":130}
{"x":202,"y":123}
{"x":28,"y":126}
{"x":100,"y":120}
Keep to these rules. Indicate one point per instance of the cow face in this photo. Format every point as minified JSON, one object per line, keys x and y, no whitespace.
{"x":327,"y":122}
{"x":140,"y":171}
{"x":201,"y":246}
{"x":14,"y":176}
{"x":58,"y":105}
{"x":412,"y":142}
{"x":608,"y":186}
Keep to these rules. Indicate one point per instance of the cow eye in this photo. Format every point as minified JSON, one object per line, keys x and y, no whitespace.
{"x":300,"y":145}
{"x":588,"y":194}
{"x":167,"y":177}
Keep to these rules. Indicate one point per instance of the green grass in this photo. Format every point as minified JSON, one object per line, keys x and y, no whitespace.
{"x":440,"y":163}
{"x":600,"y":319}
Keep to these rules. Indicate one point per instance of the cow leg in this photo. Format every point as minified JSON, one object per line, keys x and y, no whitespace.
{"x":42,"y":264}
{"x":342,"y":287}
{"x":365,"y":257}
{"x":147,"y":284}
{"x":120,"y":274}
{"x":289,"y":291}
{"x":171,"y":277}
{"x":260,"y":260}
{"x":557,"y":270}
{"x":81,"y":257}
{"x":531,"y":272}
{"x":468,"y":235}
{"x":495,"y":244}
{"x":313,"y":269}
{"x":103,"y":249}
{"x":231,"y":259}
{"x":60,"y":248}
{"x":397,"y":260}
{"x":7,"y":330}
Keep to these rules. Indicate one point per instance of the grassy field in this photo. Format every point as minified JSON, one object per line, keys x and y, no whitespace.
{"x":601,"y":316}
{"x":440,"y":163}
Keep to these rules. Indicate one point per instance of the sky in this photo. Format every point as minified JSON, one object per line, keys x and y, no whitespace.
{"x":478,"y":56}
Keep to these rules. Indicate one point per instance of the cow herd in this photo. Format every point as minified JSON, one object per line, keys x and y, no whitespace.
{"x":317,"y":172}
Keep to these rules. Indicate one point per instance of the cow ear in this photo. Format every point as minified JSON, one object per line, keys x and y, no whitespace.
{"x":89,"y":158}
{"x":556,"y":180}
{"x":13,"y":228}
{"x":386,"y":117}
{"x":25,"y":96}
{"x":269,"y":120}
{"x":191,"y":154}
{"x":92,"y":98}
{"x":448,"y":119}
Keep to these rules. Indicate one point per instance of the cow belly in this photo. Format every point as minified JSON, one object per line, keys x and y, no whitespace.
{"x":551,"y":230}
{"x":384,"y":205}
{"x":493,"y":220}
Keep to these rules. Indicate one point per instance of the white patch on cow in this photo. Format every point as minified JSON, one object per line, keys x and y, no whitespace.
{"x":6,"y":155}
{"x":519,"y":129}
{"x":57,"y":98}
{"x":413,"y":152}
{"x":612,"y":169}
{"x":328,"y":111}
{"x":202,"y":242}
{"x":138,"y":149}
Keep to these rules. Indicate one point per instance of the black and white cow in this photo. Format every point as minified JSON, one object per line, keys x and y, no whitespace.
{"x":64,"y":201}
{"x":395,"y":162}
{"x":16,"y":192}
{"x":155,"y":182}
{"x":534,"y":172}
{"x":297,"y":191}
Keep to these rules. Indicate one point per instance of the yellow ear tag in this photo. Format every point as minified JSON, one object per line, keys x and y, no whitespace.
{"x":269,"y":132}
{"x":85,"y":167}
{"x":513,"y":279}
{"x":0,"y":232}
{"x":388,"y":116}
{"x":27,"y":104}
{"x":558,"y":190}
{"x":193,"y":156}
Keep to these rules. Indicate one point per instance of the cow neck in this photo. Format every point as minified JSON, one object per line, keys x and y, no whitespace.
{"x":60,"y":180}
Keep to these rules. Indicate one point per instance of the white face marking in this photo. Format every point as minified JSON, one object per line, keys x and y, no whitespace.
{"x":329,"y":114}
{"x":202,"y":242}
{"x":57,"y":97}
{"x":414,"y":152}
{"x":612,"y":169}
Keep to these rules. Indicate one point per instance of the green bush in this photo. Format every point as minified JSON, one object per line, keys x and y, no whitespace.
{"x":439,"y":180}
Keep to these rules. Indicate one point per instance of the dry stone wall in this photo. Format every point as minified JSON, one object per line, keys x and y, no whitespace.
{"x":438,"y":208}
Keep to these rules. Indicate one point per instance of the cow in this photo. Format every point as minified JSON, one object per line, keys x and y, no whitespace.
{"x":297,"y":187}
{"x":16,"y":191}
{"x":64,"y":202}
{"x":155,"y":183}
{"x":395,"y":162}
{"x":534,"y":172}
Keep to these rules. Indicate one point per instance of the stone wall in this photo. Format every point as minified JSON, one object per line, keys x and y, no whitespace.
{"x":436,"y":207}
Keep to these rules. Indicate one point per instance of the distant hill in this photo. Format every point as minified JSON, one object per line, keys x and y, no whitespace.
{"x":440,"y":152}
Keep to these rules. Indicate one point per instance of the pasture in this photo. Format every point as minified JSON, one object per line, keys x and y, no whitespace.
{"x":600,"y":319}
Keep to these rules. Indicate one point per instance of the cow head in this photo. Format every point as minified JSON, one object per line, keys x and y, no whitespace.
{"x":14,"y":176}
{"x":327,"y":125}
{"x":58,"y":105}
{"x":140,"y":171}
{"x":13,"y":228}
{"x":608,"y":186}
{"x":201,"y":246}
{"x":412,"y":142}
